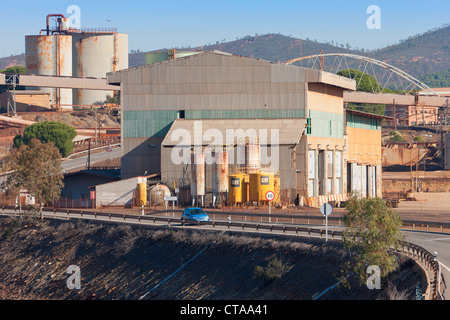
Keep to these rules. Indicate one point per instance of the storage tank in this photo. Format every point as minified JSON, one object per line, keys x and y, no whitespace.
{"x":157,"y":194}
{"x":197,"y":175}
{"x":277,"y":190}
{"x":238,"y":188}
{"x":219,"y":174}
{"x":260,"y":183}
{"x":141,"y":194}
{"x":253,"y":156}
{"x":95,"y":55}
{"x":50,"y":55}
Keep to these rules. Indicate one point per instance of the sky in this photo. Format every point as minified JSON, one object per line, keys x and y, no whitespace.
{"x":153,"y":25}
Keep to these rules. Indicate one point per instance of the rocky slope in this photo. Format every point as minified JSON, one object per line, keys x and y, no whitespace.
{"x":121,"y":262}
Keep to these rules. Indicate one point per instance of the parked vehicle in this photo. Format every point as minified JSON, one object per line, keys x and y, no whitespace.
{"x":194,"y":215}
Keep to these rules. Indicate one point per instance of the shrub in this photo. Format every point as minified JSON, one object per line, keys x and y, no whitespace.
{"x":274,"y":270}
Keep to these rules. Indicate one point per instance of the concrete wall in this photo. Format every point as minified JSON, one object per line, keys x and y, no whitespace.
{"x":118,"y":193}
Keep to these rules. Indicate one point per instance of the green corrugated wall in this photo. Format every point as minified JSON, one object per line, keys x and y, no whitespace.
{"x":156,"y":124}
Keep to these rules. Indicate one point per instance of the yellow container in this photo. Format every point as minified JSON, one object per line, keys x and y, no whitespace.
{"x":238,"y":188}
{"x":260,"y":184}
{"x":141,"y":194}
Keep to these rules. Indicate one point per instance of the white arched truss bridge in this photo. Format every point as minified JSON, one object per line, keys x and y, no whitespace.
{"x":386,"y":76}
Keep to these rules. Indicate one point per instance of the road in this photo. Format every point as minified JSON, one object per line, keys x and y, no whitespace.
{"x":80,"y":163}
{"x":433,"y":242}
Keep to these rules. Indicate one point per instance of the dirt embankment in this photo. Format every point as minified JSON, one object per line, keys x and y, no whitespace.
{"x":124,"y":262}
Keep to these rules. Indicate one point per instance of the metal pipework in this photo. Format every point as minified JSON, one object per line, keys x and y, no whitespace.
{"x":48,"y":21}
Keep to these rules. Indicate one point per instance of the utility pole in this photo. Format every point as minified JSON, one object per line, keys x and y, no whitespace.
{"x":395,"y":117}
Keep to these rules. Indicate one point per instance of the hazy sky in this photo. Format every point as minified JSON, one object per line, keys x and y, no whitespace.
{"x":154,"y":25}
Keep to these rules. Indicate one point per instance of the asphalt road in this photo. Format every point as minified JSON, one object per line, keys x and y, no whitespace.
{"x":80,"y":163}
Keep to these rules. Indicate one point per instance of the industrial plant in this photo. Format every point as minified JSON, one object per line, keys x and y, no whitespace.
{"x":84,"y":53}
{"x":212,"y":128}
{"x":282,"y":128}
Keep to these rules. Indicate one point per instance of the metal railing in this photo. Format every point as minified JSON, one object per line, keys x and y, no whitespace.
{"x":417,"y":253}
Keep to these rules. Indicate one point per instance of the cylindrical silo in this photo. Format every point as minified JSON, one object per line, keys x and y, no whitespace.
{"x":50,"y":55}
{"x":238,"y":188}
{"x":219,"y":174}
{"x":260,"y":184}
{"x":252,"y":156}
{"x":95,"y":55}
{"x":198,"y":175}
{"x":157,"y":194}
{"x":141,"y":196}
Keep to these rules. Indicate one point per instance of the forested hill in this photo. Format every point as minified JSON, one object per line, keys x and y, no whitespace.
{"x":425,"y":56}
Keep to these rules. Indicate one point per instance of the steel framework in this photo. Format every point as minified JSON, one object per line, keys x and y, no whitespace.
{"x":366,"y":65}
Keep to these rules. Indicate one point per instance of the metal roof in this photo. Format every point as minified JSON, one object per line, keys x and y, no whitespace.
{"x":289,"y":131}
{"x":279,"y":70}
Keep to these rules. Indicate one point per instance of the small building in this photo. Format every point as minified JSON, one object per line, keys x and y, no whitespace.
{"x":76,"y":191}
{"x":412,"y":115}
{"x":121,"y":193}
{"x":27,"y":101}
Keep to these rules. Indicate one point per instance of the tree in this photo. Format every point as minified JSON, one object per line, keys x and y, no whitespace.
{"x":35,"y":167}
{"x":59,"y":133}
{"x":373,"y":229}
{"x":364,"y":81}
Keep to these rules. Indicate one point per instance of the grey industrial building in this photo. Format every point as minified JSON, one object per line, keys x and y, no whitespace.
{"x":221,"y":92}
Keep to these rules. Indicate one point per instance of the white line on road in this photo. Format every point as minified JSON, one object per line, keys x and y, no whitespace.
{"x":443,"y":265}
{"x":437,"y":239}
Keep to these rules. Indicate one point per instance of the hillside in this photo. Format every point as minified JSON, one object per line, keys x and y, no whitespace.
{"x":121,"y":262}
{"x":421,"y":55}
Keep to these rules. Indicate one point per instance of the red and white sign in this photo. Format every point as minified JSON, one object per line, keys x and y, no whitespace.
{"x":92,"y":195}
{"x":270,"y":196}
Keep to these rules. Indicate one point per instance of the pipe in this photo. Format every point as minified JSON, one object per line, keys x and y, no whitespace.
{"x":48,"y":21}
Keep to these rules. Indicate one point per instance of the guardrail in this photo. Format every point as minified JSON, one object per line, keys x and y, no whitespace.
{"x":307,"y":219}
{"x":419,"y":254}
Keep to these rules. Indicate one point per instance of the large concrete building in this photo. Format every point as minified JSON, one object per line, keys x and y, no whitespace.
{"x":171,"y":106}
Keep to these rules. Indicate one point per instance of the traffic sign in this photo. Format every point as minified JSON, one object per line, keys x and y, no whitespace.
{"x":270,"y":196}
{"x":170,"y":198}
{"x":326,"y":209}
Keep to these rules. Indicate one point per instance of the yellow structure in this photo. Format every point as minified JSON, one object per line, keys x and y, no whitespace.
{"x":141,"y":197}
{"x":260,"y":184}
{"x":238,"y":188}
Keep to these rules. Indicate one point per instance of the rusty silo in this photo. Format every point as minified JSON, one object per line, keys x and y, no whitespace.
{"x":198,"y":176}
{"x":220,"y":174}
{"x":64,"y":51}
{"x":51,"y":55}
{"x":95,"y":54}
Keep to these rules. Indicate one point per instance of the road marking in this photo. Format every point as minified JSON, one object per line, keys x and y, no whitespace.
{"x":437,"y":239}
{"x":443,"y":265}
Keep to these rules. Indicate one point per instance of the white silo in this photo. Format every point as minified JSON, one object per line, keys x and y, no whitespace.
{"x":94,"y":55}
